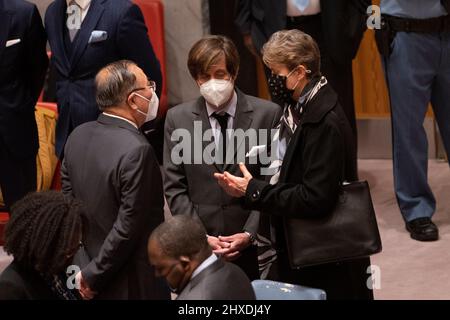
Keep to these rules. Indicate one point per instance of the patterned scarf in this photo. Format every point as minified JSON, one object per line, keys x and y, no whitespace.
{"x":289,"y":122}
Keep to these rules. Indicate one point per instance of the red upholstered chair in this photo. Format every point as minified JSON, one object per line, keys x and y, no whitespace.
{"x":153,"y":12}
{"x":4,"y":216}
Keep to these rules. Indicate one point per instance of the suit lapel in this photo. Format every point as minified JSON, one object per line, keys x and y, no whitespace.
{"x":201,"y":116}
{"x":90,"y":22}
{"x":5,"y":18}
{"x":242,"y":120}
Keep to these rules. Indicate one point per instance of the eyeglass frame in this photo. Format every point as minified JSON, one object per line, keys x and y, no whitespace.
{"x":150,"y":84}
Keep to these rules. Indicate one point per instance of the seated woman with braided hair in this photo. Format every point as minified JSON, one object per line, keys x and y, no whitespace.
{"x":43,"y":235}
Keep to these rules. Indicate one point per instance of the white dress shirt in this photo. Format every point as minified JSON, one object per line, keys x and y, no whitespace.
{"x":293,"y":11}
{"x":122,"y":118}
{"x":205,"y":264}
{"x":230,"y":108}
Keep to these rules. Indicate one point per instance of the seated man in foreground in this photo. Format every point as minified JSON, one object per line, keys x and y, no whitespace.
{"x":179,"y":251}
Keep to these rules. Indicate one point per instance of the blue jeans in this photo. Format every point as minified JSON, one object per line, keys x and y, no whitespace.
{"x":418,"y":72}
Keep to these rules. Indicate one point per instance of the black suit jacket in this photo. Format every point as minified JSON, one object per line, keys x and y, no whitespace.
{"x":111,"y":167}
{"x":19,"y":283}
{"x":191,"y":188}
{"x":219,"y":281}
{"x":22,"y":73}
{"x":343,"y":23}
{"x":126,"y":39}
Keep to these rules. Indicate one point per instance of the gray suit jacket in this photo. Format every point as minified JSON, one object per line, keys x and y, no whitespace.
{"x":220,"y":281}
{"x":191,"y":188}
{"x":111,"y":167}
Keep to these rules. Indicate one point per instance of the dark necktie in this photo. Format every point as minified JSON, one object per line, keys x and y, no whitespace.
{"x":223,"y":122}
{"x":446,"y":5}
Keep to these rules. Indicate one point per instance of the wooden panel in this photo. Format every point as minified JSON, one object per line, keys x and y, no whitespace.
{"x":370,"y":92}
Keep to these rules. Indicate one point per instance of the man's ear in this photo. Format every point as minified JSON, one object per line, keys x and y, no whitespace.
{"x":130,"y":101}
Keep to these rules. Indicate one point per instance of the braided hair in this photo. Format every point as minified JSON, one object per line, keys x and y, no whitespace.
{"x":44,"y":231}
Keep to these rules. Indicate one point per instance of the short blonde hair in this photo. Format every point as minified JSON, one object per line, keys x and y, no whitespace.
{"x":208,"y":51}
{"x":292,"y":48}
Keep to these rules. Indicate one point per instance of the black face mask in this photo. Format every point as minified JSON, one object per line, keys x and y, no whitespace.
{"x":278,"y":89}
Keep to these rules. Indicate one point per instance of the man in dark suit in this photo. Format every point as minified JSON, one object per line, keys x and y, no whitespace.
{"x":111,"y":167}
{"x":85,"y":36}
{"x":179,"y":251}
{"x":336,"y":25}
{"x":23,"y":64}
{"x":189,"y":184}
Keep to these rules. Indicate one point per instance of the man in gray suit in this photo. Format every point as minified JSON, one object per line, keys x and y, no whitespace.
{"x":111,"y":167}
{"x":179,"y":251}
{"x":195,"y":148}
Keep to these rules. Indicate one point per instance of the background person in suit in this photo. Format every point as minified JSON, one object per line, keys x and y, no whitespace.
{"x":312,"y":168}
{"x":179,"y":251}
{"x":336,"y":25}
{"x":109,"y":30}
{"x":43,"y":235}
{"x":23,"y":65}
{"x":190,"y":188}
{"x":111,"y":167}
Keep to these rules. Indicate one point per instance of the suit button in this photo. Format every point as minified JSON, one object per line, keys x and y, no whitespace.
{"x":255,"y":194}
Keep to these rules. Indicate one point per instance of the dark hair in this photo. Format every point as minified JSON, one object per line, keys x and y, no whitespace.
{"x":44,"y":228}
{"x":114,"y":83}
{"x":181,"y":236}
{"x":208,"y":51}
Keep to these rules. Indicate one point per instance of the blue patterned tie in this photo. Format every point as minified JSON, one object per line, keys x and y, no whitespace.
{"x":301,"y":4}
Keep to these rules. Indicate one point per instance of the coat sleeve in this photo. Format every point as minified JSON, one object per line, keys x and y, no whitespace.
{"x":243,"y":16}
{"x":66,"y":185}
{"x":317,"y":192}
{"x":135,"y":212}
{"x":175,"y":180}
{"x":36,"y":59}
{"x":252,"y":223}
{"x":134,"y":44}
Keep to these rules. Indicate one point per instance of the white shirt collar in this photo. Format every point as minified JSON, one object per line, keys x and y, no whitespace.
{"x":205,"y":264}
{"x":83,"y":4}
{"x":122,"y":118}
{"x":230,"y":108}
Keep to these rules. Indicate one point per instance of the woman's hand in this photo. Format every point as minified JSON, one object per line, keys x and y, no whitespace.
{"x":234,"y":186}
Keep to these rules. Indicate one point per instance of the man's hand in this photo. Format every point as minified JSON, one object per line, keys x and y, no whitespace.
{"x":84,"y":290}
{"x":217,"y":244}
{"x":248,"y":42}
{"x":233,"y":185}
{"x":237,"y":243}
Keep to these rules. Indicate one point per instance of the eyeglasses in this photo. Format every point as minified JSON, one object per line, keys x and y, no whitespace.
{"x":150,"y":84}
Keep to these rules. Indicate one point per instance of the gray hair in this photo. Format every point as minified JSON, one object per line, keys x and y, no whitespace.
{"x":114,"y":83}
{"x":292,"y":48}
{"x":181,"y":236}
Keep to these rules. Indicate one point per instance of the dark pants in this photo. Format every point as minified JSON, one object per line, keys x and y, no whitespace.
{"x":248,"y":262}
{"x":17,"y":176}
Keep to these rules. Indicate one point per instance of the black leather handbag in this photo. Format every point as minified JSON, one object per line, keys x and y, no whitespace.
{"x":350,"y":231}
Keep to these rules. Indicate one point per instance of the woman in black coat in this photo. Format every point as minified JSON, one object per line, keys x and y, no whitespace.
{"x":43,"y":235}
{"x":317,"y":154}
